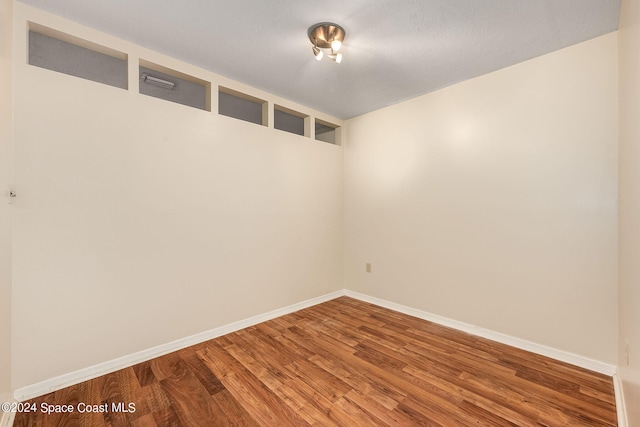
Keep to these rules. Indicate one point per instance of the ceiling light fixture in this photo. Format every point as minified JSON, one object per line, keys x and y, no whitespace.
{"x":326,"y":35}
{"x":155,"y":81}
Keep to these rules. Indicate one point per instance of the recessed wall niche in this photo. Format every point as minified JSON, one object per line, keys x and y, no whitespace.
{"x":74,"y":56}
{"x":241,"y":106}
{"x":174,"y":86}
{"x":327,"y":132}
{"x":64,"y":53}
{"x":290,"y":120}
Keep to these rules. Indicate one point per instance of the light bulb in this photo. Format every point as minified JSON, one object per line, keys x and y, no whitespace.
{"x":317,"y":53}
{"x":337,"y":57}
{"x":336,"y":45}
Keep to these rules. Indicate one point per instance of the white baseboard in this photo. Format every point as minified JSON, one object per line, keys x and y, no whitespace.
{"x":563,"y":356}
{"x":621,"y":407}
{"x":6,"y":419}
{"x":95,"y":371}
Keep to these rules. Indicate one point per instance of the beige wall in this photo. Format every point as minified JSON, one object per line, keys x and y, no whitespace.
{"x":141,"y":221}
{"x":629,"y":194}
{"x":494,"y":201}
{"x":6,"y":10}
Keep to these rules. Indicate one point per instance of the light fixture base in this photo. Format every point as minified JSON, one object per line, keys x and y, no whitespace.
{"x":324,"y":33}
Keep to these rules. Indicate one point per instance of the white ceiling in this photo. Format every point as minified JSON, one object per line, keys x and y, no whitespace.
{"x":394,"y":49}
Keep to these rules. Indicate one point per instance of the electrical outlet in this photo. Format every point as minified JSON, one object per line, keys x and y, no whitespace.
{"x":12,"y":195}
{"x":626,"y":352}
{"x":368,"y":267}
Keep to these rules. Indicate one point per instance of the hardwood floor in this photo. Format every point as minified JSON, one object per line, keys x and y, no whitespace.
{"x":343,"y":362}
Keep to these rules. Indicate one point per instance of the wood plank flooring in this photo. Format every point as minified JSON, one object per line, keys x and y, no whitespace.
{"x":344,"y":362}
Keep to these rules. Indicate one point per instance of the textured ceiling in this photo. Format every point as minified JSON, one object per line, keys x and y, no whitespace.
{"x":394,"y":49}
